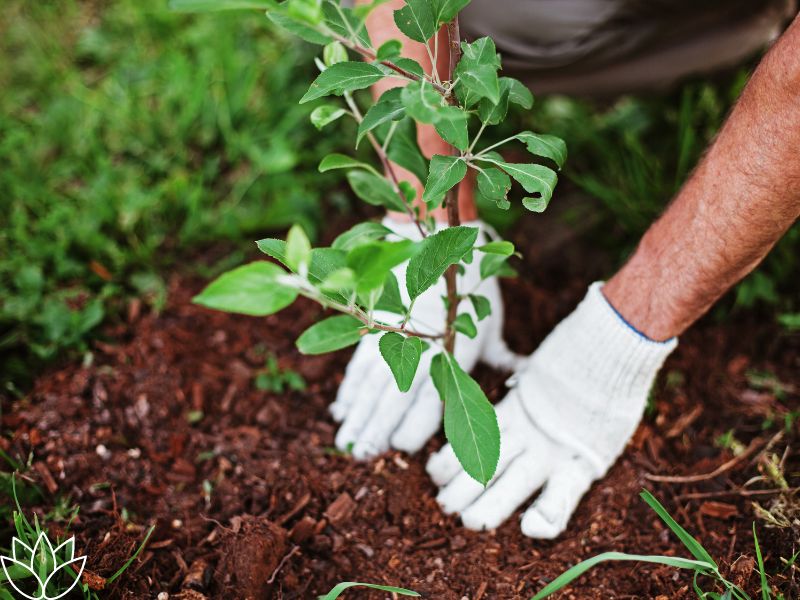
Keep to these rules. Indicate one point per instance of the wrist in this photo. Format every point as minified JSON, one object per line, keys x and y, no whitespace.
{"x":642,"y":301}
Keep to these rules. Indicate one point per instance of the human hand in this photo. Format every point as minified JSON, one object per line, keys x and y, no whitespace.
{"x":573,"y":407}
{"x":374,"y":414}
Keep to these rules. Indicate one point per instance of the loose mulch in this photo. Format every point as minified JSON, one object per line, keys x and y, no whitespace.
{"x":250,"y":500}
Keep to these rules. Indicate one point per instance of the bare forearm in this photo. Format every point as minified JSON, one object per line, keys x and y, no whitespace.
{"x":743,"y":196}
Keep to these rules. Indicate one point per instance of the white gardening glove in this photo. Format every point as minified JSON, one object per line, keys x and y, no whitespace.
{"x":573,"y":407}
{"x":375,"y":415}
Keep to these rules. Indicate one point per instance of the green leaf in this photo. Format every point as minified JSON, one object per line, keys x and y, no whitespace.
{"x":253,"y":289}
{"x":537,"y":205}
{"x":340,"y":280}
{"x":439,"y":251}
{"x":445,"y":10}
{"x":694,"y":547}
{"x":342,"y":161}
{"x":482,"y":306}
{"x":549,"y":146}
{"x":494,"y":185}
{"x":536,"y":179}
{"x":330,"y":334}
{"x":416,"y":20}
{"x":341,"y":587}
{"x":463,"y":323}
{"x":445,"y":172}
{"x":341,"y":20}
{"x":791,"y":321}
{"x":374,"y":190}
{"x":404,"y":151}
{"x":298,"y":249}
{"x":324,"y":261}
{"x":372,"y":262}
{"x":503,"y":247}
{"x":334,"y":53}
{"x":410,"y":65}
{"x":307,"y":11}
{"x":389,"y":50}
{"x":402,"y":354}
{"x":470,"y":422}
{"x":409,"y":191}
{"x":422,"y":102}
{"x":217,"y":5}
{"x":298,"y":28}
{"x":390,"y":300}
{"x":477,"y":72}
{"x":451,"y":125}
{"x":323,"y":115}
{"x":573,"y":573}
{"x":492,"y":114}
{"x":363,"y":233}
{"x":388,"y":108}
{"x":518,"y":92}
{"x":343,"y":77}
{"x":495,"y":265}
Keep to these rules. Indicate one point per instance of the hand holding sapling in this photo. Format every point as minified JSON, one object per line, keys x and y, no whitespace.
{"x":378,"y":413}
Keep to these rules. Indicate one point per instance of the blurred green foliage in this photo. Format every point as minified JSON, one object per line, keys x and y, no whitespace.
{"x":631,"y":157}
{"x":129,"y":135}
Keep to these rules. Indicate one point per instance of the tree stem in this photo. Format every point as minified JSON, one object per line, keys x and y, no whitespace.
{"x":453,"y":219}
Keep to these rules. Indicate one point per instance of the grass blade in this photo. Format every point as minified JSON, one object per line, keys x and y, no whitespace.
{"x":341,"y":587}
{"x":573,"y":573}
{"x":133,"y":557}
{"x":691,"y":544}
{"x":765,"y":595}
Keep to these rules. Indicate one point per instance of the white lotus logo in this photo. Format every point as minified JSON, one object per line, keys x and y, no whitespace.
{"x":41,"y":561}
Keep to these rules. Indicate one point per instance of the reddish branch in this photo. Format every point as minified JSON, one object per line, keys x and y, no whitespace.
{"x":451,"y":202}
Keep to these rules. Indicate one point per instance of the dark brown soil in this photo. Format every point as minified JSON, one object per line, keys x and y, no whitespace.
{"x":250,"y":500}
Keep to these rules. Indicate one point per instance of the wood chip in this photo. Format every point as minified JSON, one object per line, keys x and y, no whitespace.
{"x":299,"y":505}
{"x":303,"y":530}
{"x":198,"y":575}
{"x":684,"y":422}
{"x":341,"y":509}
{"x":481,"y":590}
{"x":719,"y":510}
{"x":47,"y":477}
{"x":434,"y":543}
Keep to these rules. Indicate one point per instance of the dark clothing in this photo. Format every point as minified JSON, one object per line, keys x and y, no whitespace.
{"x":604,"y":47}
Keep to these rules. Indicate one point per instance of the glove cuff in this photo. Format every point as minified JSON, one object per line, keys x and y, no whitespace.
{"x":615,"y":353}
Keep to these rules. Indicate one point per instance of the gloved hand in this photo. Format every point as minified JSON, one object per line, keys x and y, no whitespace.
{"x":569,"y":415}
{"x":375,"y":415}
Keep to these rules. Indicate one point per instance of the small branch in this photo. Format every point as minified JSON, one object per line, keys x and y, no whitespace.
{"x":309,"y":291}
{"x":477,"y":137}
{"x":493,"y":146}
{"x":756,"y":444}
{"x":283,"y":562}
{"x":453,"y":218}
{"x":387,"y":165}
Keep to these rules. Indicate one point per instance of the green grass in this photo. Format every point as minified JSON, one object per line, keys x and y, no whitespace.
{"x":632,"y":157}
{"x":130,"y":135}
